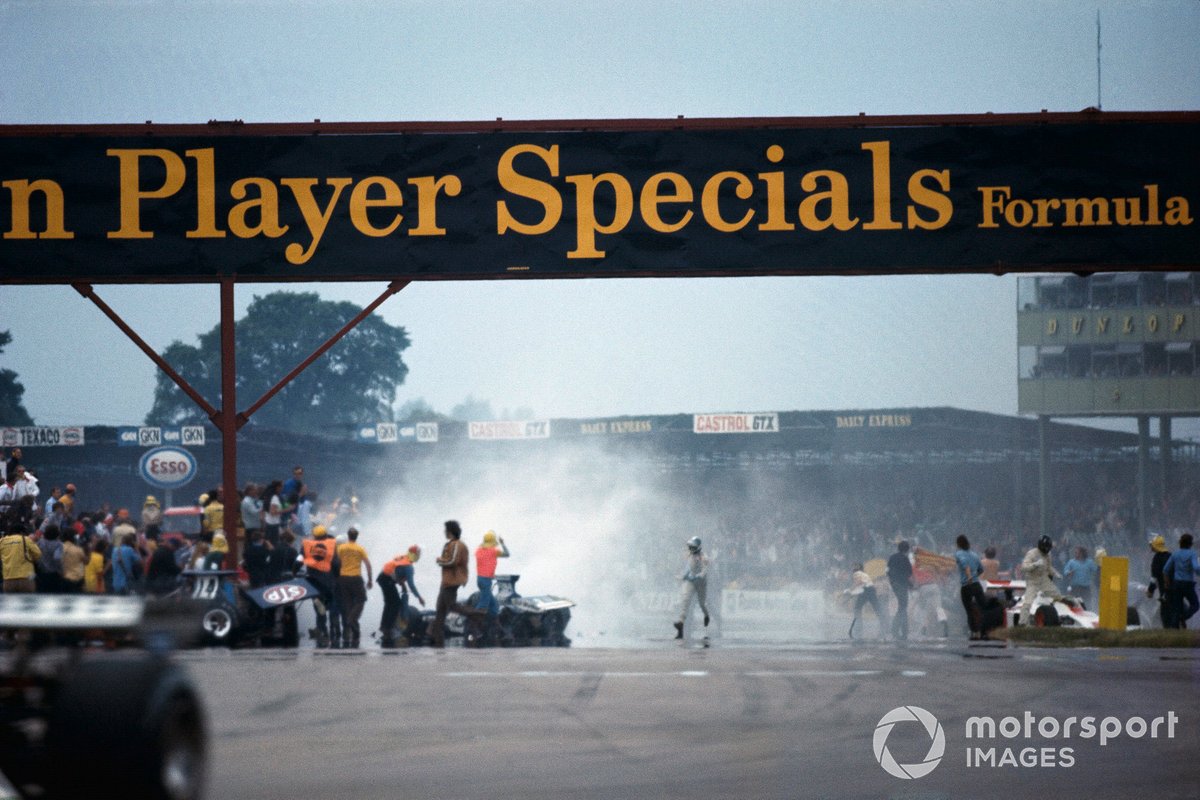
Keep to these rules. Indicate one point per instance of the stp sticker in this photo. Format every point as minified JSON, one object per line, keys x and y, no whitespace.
{"x":286,"y":593}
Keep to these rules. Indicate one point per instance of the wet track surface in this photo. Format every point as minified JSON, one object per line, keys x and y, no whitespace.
{"x":735,"y":720}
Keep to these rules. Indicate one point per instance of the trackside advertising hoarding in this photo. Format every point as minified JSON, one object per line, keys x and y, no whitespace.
{"x":591,"y":203}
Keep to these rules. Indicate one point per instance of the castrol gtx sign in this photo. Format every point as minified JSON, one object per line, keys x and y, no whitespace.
{"x":167,"y":467}
{"x":735,"y":423}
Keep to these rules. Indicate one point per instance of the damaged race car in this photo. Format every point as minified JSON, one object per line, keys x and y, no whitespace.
{"x":1048,"y":611}
{"x":523,"y":621}
{"x":235,"y":614}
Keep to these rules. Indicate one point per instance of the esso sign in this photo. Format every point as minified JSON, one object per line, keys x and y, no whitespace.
{"x":167,"y":467}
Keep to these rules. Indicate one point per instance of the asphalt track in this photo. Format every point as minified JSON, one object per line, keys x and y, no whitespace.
{"x":662,"y":720}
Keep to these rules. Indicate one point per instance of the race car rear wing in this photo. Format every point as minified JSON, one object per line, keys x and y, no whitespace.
{"x":70,"y":612}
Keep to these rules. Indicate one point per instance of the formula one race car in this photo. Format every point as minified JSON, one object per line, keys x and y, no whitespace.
{"x":522,"y":622}
{"x":76,"y":722}
{"x":1048,"y":611}
{"x":232,"y":613}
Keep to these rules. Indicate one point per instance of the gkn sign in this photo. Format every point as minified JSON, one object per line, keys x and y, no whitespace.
{"x":147,"y":436}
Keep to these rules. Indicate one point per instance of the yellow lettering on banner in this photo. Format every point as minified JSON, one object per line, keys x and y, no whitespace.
{"x":1127,"y":325}
{"x":653,"y":196}
{"x":52,"y":194}
{"x":1080,"y":212}
{"x":131,"y":193}
{"x":1085,"y":212}
{"x":710,"y":201}
{"x":428,"y":189}
{"x":881,"y":185}
{"x":1152,"y":323}
{"x":837,"y":196}
{"x":1128,"y":210}
{"x":994,"y":198}
{"x":776,"y":195}
{"x":266,"y":205}
{"x":1051,"y":326}
{"x":586,"y":224}
{"x":937,"y":202}
{"x":206,"y":195}
{"x":1152,"y":204}
{"x":1077,"y":325}
{"x":1018,"y":213}
{"x":361,"y":202}
{"x":1102,"y":325}
{"x":1177,"y":211}
{"x":315,"y":217}
{"x":1177,"y":323}
{"x":1044,"y":206}
{"x":539,"y":191}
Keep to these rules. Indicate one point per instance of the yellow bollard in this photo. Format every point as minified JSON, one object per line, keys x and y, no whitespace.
{"x":1114,"y":592}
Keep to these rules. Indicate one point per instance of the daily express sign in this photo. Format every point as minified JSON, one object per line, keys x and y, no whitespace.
{"x":600,"y":203}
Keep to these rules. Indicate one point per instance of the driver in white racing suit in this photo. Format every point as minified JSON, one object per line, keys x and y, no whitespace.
{"x":1039,"y":576}
{"x":695,"y":584}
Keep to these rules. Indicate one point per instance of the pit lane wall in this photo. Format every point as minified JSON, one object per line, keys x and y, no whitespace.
{"x":787,"y":613}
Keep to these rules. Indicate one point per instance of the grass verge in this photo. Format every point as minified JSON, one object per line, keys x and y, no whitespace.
{"x":1075,"y":637}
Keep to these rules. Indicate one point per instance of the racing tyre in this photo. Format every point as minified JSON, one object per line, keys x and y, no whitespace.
{"x":1132,"y":617}
{"x":553,"y":625}
{"x":522,"y":631}
{"x":1046,"y":617}
{"x":129,"y":725}
{"x":220,"y":624}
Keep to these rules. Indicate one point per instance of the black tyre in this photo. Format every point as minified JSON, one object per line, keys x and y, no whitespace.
{"x":993,"y":614}
{"x":220,"y":624}
{"x":129,"y":725}
{"x":1046,"y":617}
{"x":552,"y":628}
{"x":522,"y":631}
{"x":1132,"y":617}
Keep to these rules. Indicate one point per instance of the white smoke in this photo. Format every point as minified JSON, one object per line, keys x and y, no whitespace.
{"x":578,"y":521}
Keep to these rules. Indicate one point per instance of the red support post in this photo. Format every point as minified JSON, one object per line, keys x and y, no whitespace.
{"x":228,"y":425}
{"x":228,"y":421}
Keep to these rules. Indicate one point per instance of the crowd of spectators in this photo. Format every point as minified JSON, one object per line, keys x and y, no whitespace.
{"x":51,"y":543}
{"x":782,"y":535}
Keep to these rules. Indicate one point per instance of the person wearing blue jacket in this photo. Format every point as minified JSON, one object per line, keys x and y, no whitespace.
{"x":971,"y":591}
{"x":1082,"y":575}
{"x":1180,"y":574}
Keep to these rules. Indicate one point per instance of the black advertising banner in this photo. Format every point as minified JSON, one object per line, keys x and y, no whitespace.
{"x":540,"y":204}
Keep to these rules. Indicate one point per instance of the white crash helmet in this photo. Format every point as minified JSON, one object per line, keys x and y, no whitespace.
{"x":693,"y":544}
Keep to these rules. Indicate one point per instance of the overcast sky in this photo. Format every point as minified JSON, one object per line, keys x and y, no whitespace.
{"x":596,"y":347}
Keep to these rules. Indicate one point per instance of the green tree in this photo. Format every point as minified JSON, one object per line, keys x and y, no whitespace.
{"x":472,"y":410}
{"x":12,"y":410}
{"x":418,"y":410}
{"x":351,"y":384}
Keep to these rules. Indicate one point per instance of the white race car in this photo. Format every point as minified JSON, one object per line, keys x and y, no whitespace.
{"x":1047,"y":611}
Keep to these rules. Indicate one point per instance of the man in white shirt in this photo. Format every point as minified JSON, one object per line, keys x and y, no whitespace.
{"x":25,"y":484}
